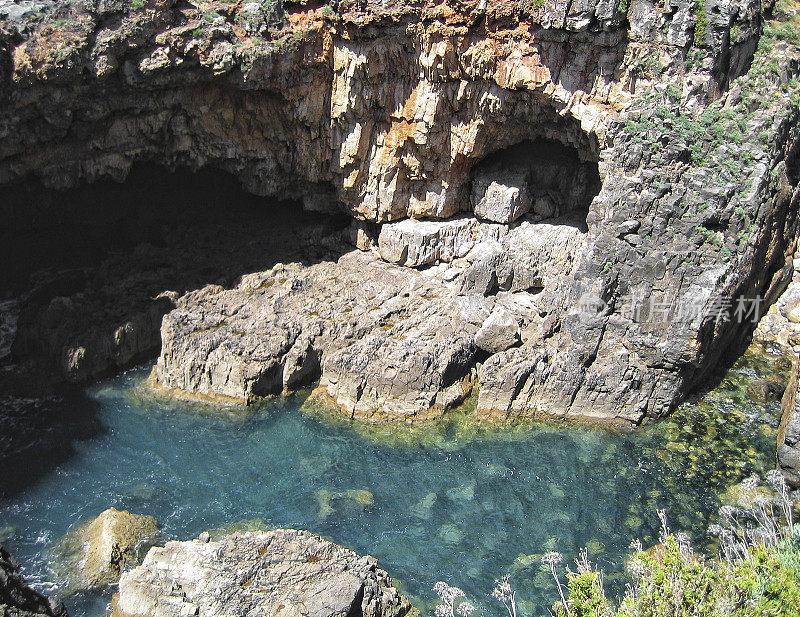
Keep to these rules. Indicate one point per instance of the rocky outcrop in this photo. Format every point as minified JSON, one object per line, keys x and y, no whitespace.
{"x":402,"y":111}
{"x":385,"y":341}
{"x":781,"y":322}
{"x":249,"y":574}
{"x":17,"y":599}
{"x":98,"y":552}
{"x":789,"y":432}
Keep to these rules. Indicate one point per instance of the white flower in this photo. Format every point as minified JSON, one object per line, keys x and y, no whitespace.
{"x":636,"y":568}
{"x":552,"y":558}
{"x":776,"y":479}
{"x":465,"y":609}
{"x":442,"y":611}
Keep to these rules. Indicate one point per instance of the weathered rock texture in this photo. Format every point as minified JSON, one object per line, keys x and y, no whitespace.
{"x":244,"y":575}
{"x":789,"y":432}
{"x":387,"y":341}
{"x":399,"y":110}
{"x":17,"y":599}
{"x":96,"y":553}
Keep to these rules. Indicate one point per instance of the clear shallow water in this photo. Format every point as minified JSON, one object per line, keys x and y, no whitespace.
{"x":454,"y":502}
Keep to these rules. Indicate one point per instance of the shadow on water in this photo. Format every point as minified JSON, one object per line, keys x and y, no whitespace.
{"x":39,"y":435}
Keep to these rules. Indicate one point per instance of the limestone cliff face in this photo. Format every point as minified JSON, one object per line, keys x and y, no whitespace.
{"x":390,"y":109}
{"x":392,"y":104}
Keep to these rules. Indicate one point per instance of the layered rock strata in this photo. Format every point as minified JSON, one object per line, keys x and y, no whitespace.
{"x":249,"y":574}
{"x":398,"y":111}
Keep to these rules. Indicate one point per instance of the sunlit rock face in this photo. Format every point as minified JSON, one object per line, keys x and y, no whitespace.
{"x":292,"y":571}
{"x":561,"y":151}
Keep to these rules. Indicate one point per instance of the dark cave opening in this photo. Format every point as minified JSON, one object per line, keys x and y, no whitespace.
{"x":86,"y":269}
{"x":78,"y":228}
{"x":543,"y":180}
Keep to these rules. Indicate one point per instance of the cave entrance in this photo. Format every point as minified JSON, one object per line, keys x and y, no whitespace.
{"x":201,"y":219}
{"x":540,"y":180}
{"x":88,"y":272}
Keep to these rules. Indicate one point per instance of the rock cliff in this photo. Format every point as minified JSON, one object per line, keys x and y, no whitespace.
{"x":616,"y":177}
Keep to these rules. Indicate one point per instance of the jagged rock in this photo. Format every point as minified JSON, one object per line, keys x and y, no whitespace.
{"x":789,"y":431}
{"x":501,"y":196}
{"x":499,"y":332}
{"x":249,"y":574}
{"x":386,"y":339}
{"x":17,"y":599}
{"x":96,"y":553}
{"x":418,"y":243}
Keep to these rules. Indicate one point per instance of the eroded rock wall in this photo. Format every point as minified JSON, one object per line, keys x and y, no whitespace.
{"x":391,"y":108}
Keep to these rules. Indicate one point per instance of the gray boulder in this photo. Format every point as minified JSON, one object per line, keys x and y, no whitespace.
{"x":294,"y":573}
{"x":499,"y":332}
{"x":501,"y":195}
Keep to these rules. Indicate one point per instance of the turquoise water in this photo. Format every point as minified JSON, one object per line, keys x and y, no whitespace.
{"x":454,"y":502}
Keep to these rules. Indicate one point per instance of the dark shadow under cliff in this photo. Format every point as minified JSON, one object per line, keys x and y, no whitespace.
{"x":81,"y":271}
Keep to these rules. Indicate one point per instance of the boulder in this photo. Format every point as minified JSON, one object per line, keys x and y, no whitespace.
{"x":294,"y":573}
{"x":96,"y":553}
{"x":415,"y":243}
{"x":501,"y":195}
{"x":765,"y":390}
{"x":17,"y":599}
{"x":499,"y":332}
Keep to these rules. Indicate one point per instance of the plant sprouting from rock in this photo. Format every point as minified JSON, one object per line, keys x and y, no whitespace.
{"x":767,"y":521}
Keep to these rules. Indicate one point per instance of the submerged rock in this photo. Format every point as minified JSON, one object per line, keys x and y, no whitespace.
{"x":242,"y":526}
{"x":17,"y":599}
{"x":96,"y":553}
{"x":286,"y":572}
{"x":351,"y":499}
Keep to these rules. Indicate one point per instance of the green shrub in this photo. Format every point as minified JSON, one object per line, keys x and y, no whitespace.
{"x":700,"y":24}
